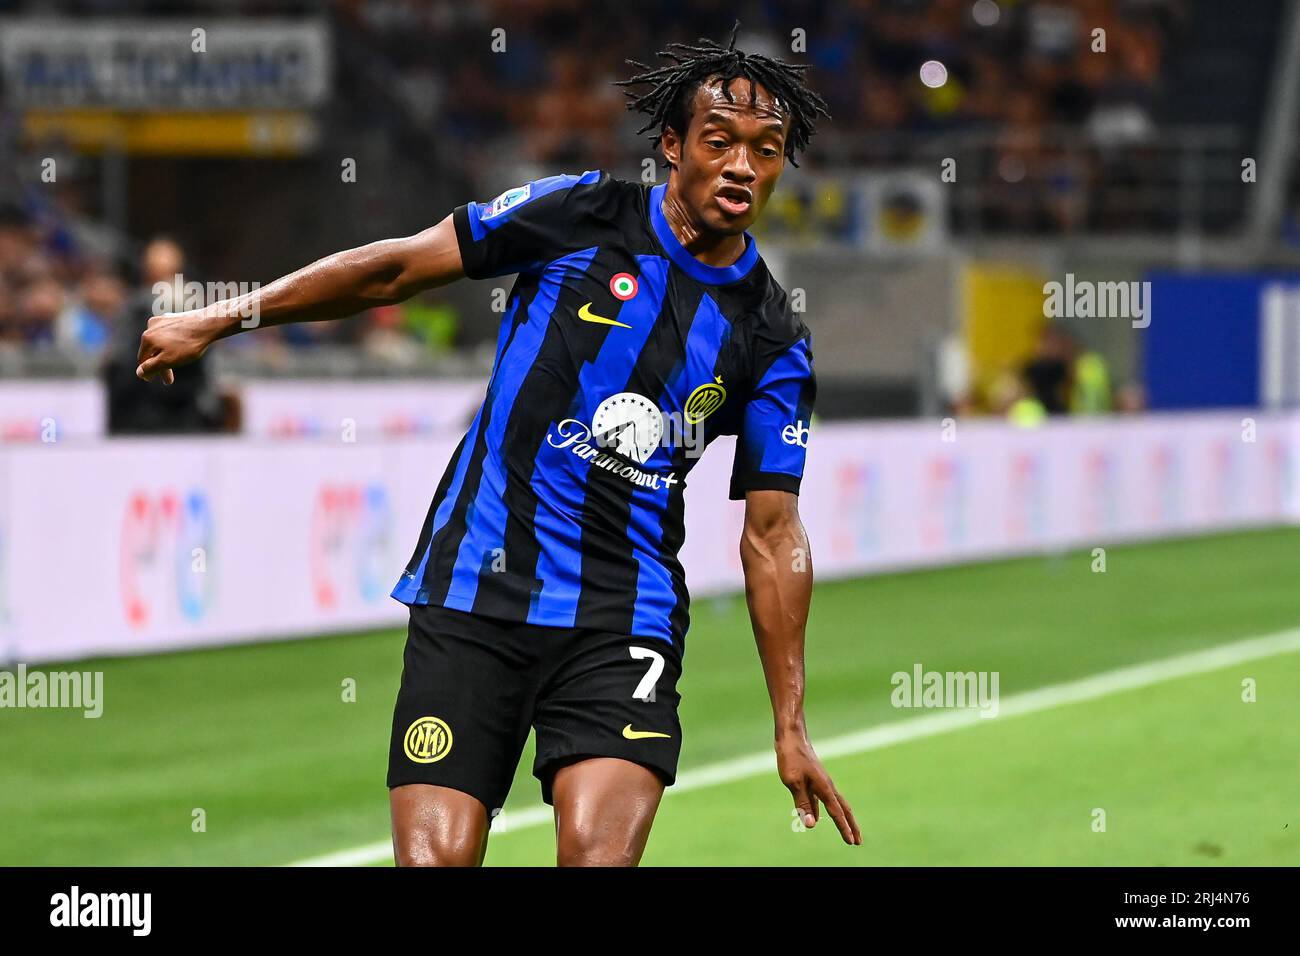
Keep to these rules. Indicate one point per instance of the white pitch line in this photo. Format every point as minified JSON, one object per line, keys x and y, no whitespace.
{"x":885,"y":735}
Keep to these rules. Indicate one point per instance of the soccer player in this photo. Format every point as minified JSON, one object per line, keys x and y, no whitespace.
{"x":545,"y":589}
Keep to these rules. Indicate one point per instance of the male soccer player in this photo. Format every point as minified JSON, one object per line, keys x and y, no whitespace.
{"x":545,"y":589}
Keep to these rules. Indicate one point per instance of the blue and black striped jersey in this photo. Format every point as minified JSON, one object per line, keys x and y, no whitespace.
{"x":620,"y":357}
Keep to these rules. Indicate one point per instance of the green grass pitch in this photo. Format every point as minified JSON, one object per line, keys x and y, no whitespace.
{"x":1185,"y":771}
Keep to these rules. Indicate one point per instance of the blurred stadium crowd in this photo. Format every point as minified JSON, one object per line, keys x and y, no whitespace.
{"x":1060,"y":140}
{"x":57,"y":287}
{"x":1045,"y":115}
{"x":1020,"y":82}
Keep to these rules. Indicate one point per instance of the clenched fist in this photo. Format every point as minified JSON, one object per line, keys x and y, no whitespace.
{"x":172,"y":340}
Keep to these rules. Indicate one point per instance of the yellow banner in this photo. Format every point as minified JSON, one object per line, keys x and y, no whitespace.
{"x":179,"y":134}
{"x":1002,"y":316}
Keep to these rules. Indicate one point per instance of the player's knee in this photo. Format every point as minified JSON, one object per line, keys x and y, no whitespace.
{"x":585,"y":849}
{"x":426,"y":849}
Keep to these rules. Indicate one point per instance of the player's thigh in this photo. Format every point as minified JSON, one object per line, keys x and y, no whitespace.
{"x":459,"y":726}
{"x":615,"y":697}
{"x":604,"y":808}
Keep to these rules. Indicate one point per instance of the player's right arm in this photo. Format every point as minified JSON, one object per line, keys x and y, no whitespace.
{"x":339,"y":285}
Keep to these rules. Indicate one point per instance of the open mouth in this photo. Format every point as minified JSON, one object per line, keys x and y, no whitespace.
{"x":734,"y":200}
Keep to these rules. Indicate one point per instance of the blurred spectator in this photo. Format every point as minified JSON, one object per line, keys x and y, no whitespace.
{"x":1049,"y":373}
{"x":1131,"y":398}
{"x":1011,"y":397}
{"x":38,"y":308}
{"x":87,"y":323}
{"x":1061,"y":377}
{"x":136,"y":407}
{"x":1091,"y":392}
{"x":51,"y":295}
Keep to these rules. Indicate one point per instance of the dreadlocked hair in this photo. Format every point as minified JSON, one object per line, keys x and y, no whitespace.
{"x":672,"y":87}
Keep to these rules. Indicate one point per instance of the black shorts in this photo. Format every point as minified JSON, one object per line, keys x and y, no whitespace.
{"x":473,"y":685}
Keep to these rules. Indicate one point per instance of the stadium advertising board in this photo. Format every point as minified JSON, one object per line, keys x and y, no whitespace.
{"x":50,"y":410}
{"x":171,"y":88}
{"x":134,"y":546}
{"x":148,"y":64}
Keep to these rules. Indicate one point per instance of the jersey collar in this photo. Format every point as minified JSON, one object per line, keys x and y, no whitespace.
{"x":712,"y":275}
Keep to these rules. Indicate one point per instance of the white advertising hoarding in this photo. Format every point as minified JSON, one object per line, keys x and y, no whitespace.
{"x":130,"y":546}
{"x":306,"y":408}
{"x":33,"y":409}
{"x":51,"y":410}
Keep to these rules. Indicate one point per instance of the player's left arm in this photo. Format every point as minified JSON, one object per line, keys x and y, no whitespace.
{"x":778,"y":589}
{"x":342,"y":284}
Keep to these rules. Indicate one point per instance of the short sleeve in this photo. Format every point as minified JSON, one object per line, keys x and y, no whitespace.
{"x":773,"y":439}
{"x":526,"y":226}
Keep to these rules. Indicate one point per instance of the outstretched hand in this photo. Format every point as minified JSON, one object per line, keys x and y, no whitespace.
{"x":802,"y":772}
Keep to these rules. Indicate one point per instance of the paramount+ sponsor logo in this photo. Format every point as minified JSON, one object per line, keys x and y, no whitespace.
{"x":633,"y":428}
{"x":580,"y":441}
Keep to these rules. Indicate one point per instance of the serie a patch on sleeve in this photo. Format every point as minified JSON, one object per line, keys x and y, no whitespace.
{"x":508,"y":199}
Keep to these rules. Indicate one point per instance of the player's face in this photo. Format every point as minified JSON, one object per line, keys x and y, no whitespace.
{"x":732,"y":155}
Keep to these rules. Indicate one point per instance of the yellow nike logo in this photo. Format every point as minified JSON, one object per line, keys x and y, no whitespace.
{"x":631,"y":734}
{"x":587,"y":315}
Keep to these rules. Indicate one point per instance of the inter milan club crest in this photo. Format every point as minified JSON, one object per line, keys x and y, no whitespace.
{"x":704,"y":401}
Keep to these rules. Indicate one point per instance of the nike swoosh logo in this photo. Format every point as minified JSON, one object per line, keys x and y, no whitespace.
{"x":587,"y":315}
{"x":631,"y":734}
